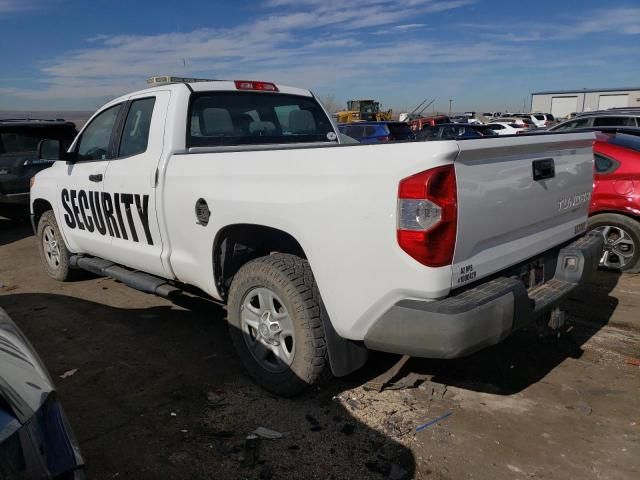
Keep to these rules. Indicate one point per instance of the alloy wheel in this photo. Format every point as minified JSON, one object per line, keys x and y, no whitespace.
{"x":619,"y":247}
{"x":268,"y":329}
{"x":51,"y":247}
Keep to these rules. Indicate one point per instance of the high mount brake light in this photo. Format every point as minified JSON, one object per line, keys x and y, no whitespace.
{"x":428,"y":216}
{"x":251,"y":85}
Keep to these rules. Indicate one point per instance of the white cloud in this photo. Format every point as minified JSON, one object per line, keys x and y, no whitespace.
{"x":328,"y":45}
{"x":409,"y":26}
{"x":312,"y":43}
{"x":620,"y":20}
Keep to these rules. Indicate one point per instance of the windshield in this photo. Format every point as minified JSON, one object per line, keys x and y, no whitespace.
{"x":21,"y":139}
{"x":254,"y":118}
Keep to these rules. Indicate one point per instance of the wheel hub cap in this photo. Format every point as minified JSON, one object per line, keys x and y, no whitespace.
{"x":269,"y":329}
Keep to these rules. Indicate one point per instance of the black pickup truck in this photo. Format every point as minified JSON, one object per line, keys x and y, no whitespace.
{"x":19,"y":139}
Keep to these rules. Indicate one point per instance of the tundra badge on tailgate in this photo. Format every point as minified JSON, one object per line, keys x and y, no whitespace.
{"x":571,"y":203}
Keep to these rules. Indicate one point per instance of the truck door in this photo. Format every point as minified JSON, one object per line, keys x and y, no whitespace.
{"x":83,"y":214}
{"x":131,"y":179}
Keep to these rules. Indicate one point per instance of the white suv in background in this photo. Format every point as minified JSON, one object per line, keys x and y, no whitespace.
{"x":538,"y":119}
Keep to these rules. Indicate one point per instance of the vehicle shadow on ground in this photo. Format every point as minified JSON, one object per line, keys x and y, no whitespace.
{"x":159,"y":393}
{"x":13,"y":230}
{"x":524,"y":359}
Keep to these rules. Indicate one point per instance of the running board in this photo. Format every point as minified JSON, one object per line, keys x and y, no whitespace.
{"x":134,"y":279}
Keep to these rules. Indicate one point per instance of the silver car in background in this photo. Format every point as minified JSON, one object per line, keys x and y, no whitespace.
{"x":36,"y":441}
{"x":606,"y":118}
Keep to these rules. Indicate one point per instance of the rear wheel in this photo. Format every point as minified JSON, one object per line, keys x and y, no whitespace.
{"x":53,"y":252}
{"x":275,"y":321}
{"x":621,"y":241}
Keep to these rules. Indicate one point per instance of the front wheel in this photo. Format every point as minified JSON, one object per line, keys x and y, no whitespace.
{"x":621,"y":241}
{"x":276,"y":324}
{"x":53,"y":252}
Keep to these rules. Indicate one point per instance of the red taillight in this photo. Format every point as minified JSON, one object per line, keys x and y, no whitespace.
{"x":384,"y":139}
{"x":251,"y":85}
{"x":427,"y":216}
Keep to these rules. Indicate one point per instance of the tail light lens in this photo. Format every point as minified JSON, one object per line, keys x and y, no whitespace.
{"x":427,"y":216}
{"x":384,"y":139}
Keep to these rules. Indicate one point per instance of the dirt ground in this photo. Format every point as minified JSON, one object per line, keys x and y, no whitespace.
{"x":159,"y":393}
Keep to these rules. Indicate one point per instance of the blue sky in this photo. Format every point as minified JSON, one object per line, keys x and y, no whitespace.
{"x":483,"y":54}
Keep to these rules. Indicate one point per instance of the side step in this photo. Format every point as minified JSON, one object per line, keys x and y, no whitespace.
{"x":134,"y":279}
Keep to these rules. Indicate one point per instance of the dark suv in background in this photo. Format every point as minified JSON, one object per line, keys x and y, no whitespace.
{"x":19,"y":139}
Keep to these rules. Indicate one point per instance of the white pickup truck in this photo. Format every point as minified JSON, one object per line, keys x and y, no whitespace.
{"x":321,"y":250}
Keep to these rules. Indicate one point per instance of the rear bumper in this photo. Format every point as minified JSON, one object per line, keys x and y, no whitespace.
{"x":484,"y":315}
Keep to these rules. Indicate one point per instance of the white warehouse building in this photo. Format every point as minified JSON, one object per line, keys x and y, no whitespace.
{"x":561,"y":103}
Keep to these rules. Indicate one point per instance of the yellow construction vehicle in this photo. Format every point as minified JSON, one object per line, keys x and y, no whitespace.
{"x":363,"y":110}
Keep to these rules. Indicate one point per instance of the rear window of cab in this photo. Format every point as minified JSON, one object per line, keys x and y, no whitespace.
{"x":255,"y":118}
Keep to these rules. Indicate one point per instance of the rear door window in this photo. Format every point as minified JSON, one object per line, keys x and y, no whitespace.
{"x":604,"y":164}
{"x":614,"y":122}
{"x":254,"y":118}
{"x":135,"y":134}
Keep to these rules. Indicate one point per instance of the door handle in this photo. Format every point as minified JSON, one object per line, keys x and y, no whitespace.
{"x":97,"y":177}
{"x":543,"y":169}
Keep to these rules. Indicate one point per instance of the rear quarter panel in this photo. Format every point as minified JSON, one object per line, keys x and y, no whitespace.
{"x":338,"y":202}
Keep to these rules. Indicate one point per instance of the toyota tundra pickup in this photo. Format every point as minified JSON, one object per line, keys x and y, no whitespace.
{"x":320,"y":250}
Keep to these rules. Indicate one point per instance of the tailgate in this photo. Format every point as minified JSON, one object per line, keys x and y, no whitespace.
{"x":506,"y":216}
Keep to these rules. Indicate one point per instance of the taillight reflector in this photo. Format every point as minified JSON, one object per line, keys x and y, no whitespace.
{"x":251,"y":85}
{"x":428,"y":215}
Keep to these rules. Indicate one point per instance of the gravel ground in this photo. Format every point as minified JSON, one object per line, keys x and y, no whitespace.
{"x":159,"y":393}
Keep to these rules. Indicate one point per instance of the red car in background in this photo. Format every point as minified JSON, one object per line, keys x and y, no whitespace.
{"x":615,"y":204}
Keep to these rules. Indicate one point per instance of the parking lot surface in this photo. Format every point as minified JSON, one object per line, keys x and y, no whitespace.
{"x":159,"y":393}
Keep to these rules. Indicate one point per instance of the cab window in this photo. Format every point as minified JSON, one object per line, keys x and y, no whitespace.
{"x":94,"y":143}
{"x":135,"y":135}
{"x":253,"y":118}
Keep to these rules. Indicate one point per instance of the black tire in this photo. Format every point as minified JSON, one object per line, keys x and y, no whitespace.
{"x":61,"y":269}
{"x":630,"y":226}
{"x":290,"y":278}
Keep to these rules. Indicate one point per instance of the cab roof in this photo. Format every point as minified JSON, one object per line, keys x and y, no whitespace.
{"x":216,"y":86}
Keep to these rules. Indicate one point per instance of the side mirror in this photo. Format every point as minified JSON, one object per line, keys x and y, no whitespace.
{"x":52,"y":150}
{"x":49,"y":150}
